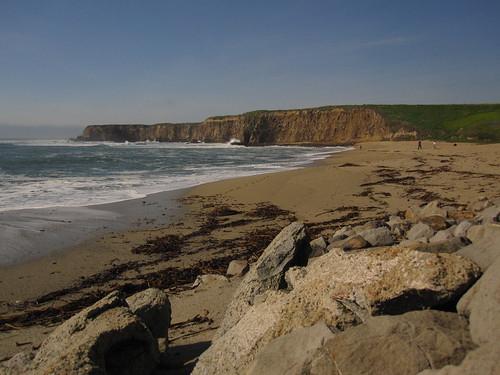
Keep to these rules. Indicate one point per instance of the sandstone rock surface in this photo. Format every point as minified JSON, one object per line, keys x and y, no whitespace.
{"x":486,"y":250}
{"x":341,"y":289}
{"x":289,"y":248}
{"x":153,"y":307}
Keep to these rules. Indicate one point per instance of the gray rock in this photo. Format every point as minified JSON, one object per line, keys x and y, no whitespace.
{"x":481,"y":304}
{"x":395,"y":221}
{"x":354,"y":242}
{"x":367,"y":226}
{"x":318,"y":247}
{"x":341,"y":234}
{"x":153,"y":307}
{"x":462,"y":228}
{"x":442,"y":235}
{"x":290,"y":353}
{"x":489,"y":215}
{"x":105,"y":338}
{"x":481,"y":361}
{"x":475,"y":232}
{"x":447,"y":246}
{"x":380,"y":236}
{"x":289,"y":248}
{"x":485,"y":250}
{"x":237,"y":268}
{"x":420,"y":230}
{"x":393,"y":345}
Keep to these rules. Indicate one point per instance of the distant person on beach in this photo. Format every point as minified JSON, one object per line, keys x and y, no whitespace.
{"x":419,"y":145}
{"x":434,"y":145}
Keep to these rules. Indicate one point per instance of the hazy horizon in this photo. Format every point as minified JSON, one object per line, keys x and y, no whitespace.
{"x":65,"y":65}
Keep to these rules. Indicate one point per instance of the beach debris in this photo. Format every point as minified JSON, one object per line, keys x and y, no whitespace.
{"x":237,"y":267}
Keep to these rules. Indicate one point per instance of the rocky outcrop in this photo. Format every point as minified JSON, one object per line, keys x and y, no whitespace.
{"x":109,"y":337}
{"x":343,"y":290}
{"x":289,"y":248}
{"x":332,"y":125}
{"x":385,"y":345}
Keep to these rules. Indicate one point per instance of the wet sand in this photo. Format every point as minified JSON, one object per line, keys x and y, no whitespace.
{"x":236,"y":219}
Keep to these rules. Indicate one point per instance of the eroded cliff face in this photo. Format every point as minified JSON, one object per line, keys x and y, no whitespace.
{"x":339,"y":125}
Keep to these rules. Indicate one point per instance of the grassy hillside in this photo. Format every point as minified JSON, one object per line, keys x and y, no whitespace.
{"x":457,"y":122}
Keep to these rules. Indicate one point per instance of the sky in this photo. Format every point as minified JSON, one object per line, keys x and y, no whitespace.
{"x":71,"y":63}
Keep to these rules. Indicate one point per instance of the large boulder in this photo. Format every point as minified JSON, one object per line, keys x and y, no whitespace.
{"x":341,"y":289}
{"x":394,"y":345}
{"x":105,"y":338}
{"x":481,"y":305}
{"x":153,"y":307}
{"x":481,"y":361}
{"x":289,"y":248}
{"x":290,"y":353}
{"x":486,"y":250}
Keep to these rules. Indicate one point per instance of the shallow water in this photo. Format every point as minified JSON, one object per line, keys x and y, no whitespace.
{"x":36,"y":174}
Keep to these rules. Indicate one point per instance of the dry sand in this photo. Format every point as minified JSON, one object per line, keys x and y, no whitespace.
{"x":372,"y":181}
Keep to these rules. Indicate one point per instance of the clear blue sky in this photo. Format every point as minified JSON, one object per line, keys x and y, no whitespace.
{"x":70,"y":63}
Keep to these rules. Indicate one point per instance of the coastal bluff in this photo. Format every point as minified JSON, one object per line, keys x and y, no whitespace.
{"x":330,"y":125}
{"x":337,"y":125}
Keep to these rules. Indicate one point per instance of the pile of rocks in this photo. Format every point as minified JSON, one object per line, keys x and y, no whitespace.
{"x":113,"y":336}
{"x":394,"y":297}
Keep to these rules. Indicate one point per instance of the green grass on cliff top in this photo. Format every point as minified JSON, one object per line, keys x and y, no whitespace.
{"x":450,"y":122}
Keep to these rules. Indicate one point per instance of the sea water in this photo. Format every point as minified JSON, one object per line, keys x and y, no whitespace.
{"x":37,"y":174}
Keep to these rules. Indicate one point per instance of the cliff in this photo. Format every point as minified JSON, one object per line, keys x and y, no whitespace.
{"x":336,"y":125}
{"x":321,"y":126}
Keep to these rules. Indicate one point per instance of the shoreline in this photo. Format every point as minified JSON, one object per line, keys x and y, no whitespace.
{"x":40,"y":232}
{"x":236,"y":218}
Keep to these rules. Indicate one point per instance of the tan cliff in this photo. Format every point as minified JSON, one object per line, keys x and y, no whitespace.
{"x":320,"y":126}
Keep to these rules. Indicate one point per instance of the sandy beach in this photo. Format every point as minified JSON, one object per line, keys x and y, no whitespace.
{"x":216,"y":222}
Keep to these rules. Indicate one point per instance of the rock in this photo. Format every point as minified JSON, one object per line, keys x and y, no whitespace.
{"x":484,"y":251}
{"x":353,"y":243}
{"x":341,"y":234}
{"x":105,"y":338}
{"x":481,"y":361}
{"x":412,"y":214}
{"x":153,"y":307}
{"x":237,"y":268}
{"x":367,"y":226}
{"x":208,"y":279}
{"x":18,"y":364}
{"x":411,"y":244}
{"x":380,"y":236}
{"x":489,"y":215}
{"x":290,"y":353}
{"x":341,"y":289}
{"x":442,"y":235}
{"x":401,"y":344}
{"x":475,"y":232}
{"x":420,"y":230}
{"x":432,"y":209}
{"x":318,"y":247}
{"x":447,"y":246}
{"x":481,"y":305}
{"x":462,"y":228}
{"x":395,"y":221}
{"x":289,"y":248}
{"x":436,"y":222}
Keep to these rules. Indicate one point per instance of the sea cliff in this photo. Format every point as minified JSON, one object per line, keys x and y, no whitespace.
{"x":336,"y":125}
{"x":322,"y":126}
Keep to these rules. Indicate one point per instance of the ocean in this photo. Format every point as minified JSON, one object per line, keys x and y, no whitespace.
{"x":55,"y":173}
